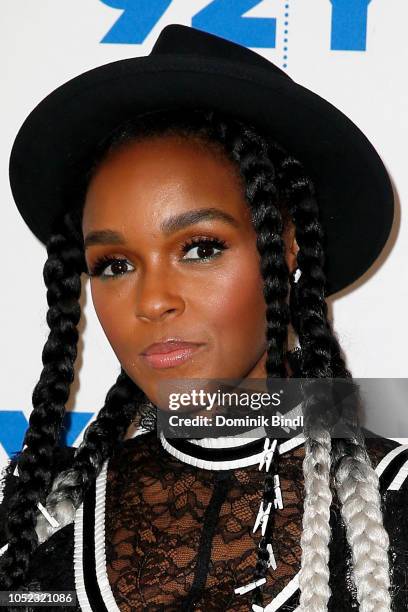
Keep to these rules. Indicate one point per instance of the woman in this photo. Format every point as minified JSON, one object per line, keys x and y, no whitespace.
{"x":171,"y":181}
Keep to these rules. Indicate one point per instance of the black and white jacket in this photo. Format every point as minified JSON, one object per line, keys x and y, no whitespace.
{"x":80,"y":558}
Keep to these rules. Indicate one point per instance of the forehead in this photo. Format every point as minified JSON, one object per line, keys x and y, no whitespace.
{"x":145,"y":179}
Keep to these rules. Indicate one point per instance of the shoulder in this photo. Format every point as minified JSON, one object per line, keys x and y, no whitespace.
{"x":389,"y":458}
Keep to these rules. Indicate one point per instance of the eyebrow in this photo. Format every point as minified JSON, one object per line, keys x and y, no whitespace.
{"x":168,"y":226}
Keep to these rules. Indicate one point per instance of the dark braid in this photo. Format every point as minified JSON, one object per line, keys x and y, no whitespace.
{"x":122,"y":403}
{"x":321,"y":352}
{"x":308,"y":304}
{"x":62,"y":273}
{"x":250,"y":152}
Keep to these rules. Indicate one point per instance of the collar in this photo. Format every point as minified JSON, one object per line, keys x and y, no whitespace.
{"x":228,"y":452}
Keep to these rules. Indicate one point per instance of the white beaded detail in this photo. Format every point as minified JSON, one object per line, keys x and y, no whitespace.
{"x":297,"y":275}
{"x":271,"y":562}
{"x":249,"y":587}
{"x":278,"y":493}
{"x":52,"y":521}
{"x":262,"y":518}
{"x":15,"y":473}
{"x":267,"y":455}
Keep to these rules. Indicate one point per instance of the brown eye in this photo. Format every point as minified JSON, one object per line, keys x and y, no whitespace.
{"x":111,"y":267}
{"x":120,"y":266}
{"x":204,"y":248}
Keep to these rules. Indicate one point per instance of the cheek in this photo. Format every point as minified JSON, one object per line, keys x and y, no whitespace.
{"x":113,"y":314}
{"x":238,"y":312}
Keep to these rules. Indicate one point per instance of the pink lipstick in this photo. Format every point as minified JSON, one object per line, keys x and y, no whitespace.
{"x":170,"y":353}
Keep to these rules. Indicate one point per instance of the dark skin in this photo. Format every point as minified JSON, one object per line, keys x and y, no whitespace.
{"x":157,"y":289}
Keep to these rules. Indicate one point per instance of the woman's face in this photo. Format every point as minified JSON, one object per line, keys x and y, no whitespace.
{"x":169,"y":219}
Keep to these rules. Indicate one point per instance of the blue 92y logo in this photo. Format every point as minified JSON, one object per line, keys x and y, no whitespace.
{"x":226,"y":18}
{"x":13,"y":425}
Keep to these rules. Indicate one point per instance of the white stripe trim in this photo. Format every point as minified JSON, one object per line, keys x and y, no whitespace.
{"x":290,"y":444}
{"x":78,"y":561}
{"x":399,"y":478}
{"x":231,"y":441}
{"x":100,"y":551}
{"x":208,"y":464}
{"x":385,"y":461}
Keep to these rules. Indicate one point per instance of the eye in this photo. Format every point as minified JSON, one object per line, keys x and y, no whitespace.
{"x":204,"y":248}
{"x":110,"y":267}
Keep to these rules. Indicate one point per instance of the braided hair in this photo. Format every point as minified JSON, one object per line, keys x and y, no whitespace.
{"x":277,"y":190}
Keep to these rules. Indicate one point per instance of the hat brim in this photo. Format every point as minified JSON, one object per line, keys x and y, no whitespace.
{"x":58,"y":140}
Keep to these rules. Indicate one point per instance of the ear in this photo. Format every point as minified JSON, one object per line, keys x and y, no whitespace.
{"x":292,"y":248}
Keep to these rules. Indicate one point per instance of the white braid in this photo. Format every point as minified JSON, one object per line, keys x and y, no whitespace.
{"x":58,"y":504}
{"x":314,"y":573}
{"x":357,"y":486}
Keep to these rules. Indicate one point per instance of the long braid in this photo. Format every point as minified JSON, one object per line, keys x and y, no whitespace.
{"x":123,"y":401}
{"x":358,"y":488}
{"x":27,"y":527}
{"x":62,"y":272}
{"x":309,"y":318}
{"x":356,"y":481}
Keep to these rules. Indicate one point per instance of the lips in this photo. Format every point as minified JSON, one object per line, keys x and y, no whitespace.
{"x":170,"y":354}
{"x":160,"y":348}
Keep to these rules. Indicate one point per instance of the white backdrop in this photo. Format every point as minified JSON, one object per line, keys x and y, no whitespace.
{"x":352,"y":52}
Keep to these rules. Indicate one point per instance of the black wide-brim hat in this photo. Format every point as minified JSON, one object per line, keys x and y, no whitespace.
{"x":189,"y":69}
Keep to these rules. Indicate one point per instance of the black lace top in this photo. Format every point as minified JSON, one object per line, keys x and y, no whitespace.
{"x":165,"y":517}
{"x":155,"y":533}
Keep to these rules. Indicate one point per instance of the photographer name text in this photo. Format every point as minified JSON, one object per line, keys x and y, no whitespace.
{"x":223,"y":421}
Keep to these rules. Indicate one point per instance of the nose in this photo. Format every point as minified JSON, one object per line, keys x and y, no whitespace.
{"x":158,"y":296}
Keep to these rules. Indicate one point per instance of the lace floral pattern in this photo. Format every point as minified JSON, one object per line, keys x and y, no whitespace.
{"x":155,"y":507}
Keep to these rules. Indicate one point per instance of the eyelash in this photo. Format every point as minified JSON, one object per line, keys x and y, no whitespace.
{"x":105,"y":260}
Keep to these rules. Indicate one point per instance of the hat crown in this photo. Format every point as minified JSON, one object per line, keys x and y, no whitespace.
{"x":183,"y":40}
